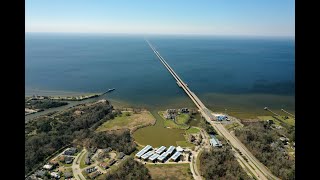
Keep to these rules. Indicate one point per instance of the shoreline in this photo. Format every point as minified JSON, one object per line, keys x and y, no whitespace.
{"x":243,"y":106}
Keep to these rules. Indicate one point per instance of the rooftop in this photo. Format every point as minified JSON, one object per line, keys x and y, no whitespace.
{"x":146,"y":155}
{"x":160,"y":150}
{"x":176,"y":155}
{"x":144,"y":150}
{"x":214,"y":141}
{"x":153,"y":157}
{"x":163,"y":155}
{"x":171,"y":149}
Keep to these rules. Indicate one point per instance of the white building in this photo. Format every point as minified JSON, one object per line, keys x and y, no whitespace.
{"x":47,"y":166}
{"x":55,"y":175}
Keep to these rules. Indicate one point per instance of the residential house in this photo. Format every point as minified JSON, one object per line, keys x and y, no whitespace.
{"x":40,"y":173}
{"x":184,"y":110}
{"x":68,"y":159}
{"x":94,"y":174}
{"x":121,"y":155}
{"x":48,"y":167}
{"x":71,"y":151}
{"x":111,"y":162}
{"x":104,"y":165}
{"x":55,"y":175}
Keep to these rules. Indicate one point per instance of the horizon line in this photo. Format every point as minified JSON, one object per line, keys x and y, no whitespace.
{"x":169,"y":34}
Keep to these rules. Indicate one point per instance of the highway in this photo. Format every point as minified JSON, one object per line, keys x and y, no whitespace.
{"x":252,"y":165}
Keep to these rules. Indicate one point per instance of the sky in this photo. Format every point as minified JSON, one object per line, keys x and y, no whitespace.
{"x":202,"y":17}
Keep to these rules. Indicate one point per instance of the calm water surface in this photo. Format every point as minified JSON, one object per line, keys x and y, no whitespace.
{"x":237,"y":75}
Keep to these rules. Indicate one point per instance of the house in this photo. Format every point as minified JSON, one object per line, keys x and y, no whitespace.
{"x":170,"y":113}
{"x":111,"y":162}
{"x":48,"y":167}
{"x":71,"y":151}
{"x":87,"y":160}
{"x":68,"y":159}
{"x":214,"y":141}
{"x":270,"y":121}
{"x":284,"y":140}
{"x":68,"y":175}
{"x":92,"y":169}
{"x":40,"y":173}
{"x":104,"y":165}
{"x":94,"y":174}
{"x":106,"y":150}
{"x":55,"y":175}
{"x":179,"y":149}
{"x":184,"y":110}
{"x":221,"y":117}
{"x":121,"y":155}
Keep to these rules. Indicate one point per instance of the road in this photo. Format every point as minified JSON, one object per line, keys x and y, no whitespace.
{"x":76,"y":165}
{"x":256,"y":168}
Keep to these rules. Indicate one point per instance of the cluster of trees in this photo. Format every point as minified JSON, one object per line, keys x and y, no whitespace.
{"x":264,"y":144}
{"x":220,"y":163}
{"x":130,"y":169}
{"x":44,"y":104}
{"x":119,"y":142}
{"x":46,"y":135}
{"x":207,"y":127}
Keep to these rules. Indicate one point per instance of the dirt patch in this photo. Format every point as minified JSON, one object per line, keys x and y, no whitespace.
{"x":172,"y":171}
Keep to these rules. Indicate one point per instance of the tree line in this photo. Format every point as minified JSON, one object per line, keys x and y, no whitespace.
{"x":47,"y":134}
{"x":130,"y":169}
{"x":220,"y":163}
{"x":263,"y":142}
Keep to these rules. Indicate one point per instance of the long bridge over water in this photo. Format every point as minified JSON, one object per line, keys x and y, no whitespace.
{"x":250,"y":163}
{"x":204,"y":111}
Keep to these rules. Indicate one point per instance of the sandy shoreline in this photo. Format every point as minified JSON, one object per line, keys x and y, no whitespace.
{"x":30,"y":92}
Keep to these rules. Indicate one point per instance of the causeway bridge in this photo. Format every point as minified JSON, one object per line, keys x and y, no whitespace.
{"x":204,"y":111}
{"x":252,"y":165}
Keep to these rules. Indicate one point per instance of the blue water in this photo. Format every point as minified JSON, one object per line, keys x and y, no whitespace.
{"x":210,"y":65}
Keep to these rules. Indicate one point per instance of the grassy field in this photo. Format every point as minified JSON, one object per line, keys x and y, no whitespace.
{"x":198,"y":160}
{"x":170,"y":123}
{"x":278,"y":119}
{"x":128,"y":120}
{"x":231,"y":126}
{"x":182,"y":118}
{"x":82,"y":164}
{"x":193,"y":130}
{"x":170,"y":171}
{"x":185,"y":144}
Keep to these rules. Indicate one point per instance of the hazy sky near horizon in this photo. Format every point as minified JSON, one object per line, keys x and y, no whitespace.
{"x":206,"y":17}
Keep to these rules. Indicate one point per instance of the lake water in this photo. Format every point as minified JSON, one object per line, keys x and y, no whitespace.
{"x":239,"y":74}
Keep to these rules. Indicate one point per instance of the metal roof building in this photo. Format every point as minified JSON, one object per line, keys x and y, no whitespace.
{"x":163,"y":156}
{"x":171,"y":149}
{"x":154,"y":157}
{"x":160,"y":150}
{"x":144,"y":150}
{"x":215,"y":142}
{"x":146,"y":155}
{"x":176,"y":155}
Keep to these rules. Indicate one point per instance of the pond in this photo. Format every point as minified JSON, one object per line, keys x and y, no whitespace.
{"x":157,"y":135}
